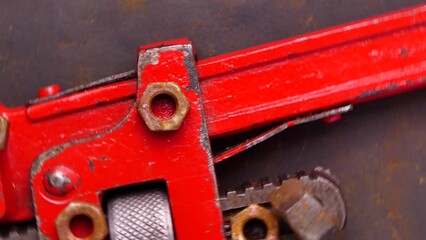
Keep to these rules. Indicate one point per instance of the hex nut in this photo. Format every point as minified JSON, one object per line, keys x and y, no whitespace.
{"x":77,"y":208}
{"x":153,"y":122}
{"x":255,"y":212}
{"x":4,"y":126}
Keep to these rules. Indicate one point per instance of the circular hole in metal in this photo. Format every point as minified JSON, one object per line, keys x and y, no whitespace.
{"x":81,"y":226}
{"x":163,"y":106}
{"x":255,"y":229}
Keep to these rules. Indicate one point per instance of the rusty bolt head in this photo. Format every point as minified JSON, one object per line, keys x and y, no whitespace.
{"x":155,"y":123}
{"x":4,"y":126}
{"x":77,"y":208}
{"x":60,"y":180}
{"x":255,"y":212}
{"x":290,"y":192}
{"x":304,"y":213}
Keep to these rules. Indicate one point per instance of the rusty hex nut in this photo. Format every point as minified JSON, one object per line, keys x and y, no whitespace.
{"x":93,"y":212}
{"x":155,"y":123}
{"x":255,"y":212}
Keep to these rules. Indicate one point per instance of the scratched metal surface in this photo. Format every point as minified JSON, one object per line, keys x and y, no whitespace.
{"x":377,"y":151}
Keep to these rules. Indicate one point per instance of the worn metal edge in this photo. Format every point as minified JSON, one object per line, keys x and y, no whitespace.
{"x":98,"y":83}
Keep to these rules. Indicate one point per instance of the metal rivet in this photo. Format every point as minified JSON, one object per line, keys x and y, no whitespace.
{"x":60,"y":180}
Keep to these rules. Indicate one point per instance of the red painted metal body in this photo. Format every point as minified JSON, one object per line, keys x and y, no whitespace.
{"x":129,"y":152}
{"x":344,"y":65}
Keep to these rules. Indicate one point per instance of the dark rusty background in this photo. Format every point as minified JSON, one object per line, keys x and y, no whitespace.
{"x":378,"y":151}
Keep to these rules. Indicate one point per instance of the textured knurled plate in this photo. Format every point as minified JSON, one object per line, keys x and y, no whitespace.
{"x":140,"y":216}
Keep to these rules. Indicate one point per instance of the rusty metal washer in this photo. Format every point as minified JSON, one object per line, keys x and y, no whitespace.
{"x":77,"y":208}
{"x":173,"y":90}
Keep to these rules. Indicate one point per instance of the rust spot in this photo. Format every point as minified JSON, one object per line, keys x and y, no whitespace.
{"x":131,"y":5}
{"x":393,"y":201}
{"x":65,"y":45}
{"x":298,"y":3}
{"x":395,"y":235}
{"x":422,"y":180}
{"x":288,"y":194}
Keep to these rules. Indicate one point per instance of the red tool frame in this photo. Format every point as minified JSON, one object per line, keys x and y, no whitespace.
{"x":347,"y":64}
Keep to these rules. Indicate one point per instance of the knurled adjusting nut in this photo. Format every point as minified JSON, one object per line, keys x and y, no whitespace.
{"x":155,"y":123}
{"x":76,"y":208}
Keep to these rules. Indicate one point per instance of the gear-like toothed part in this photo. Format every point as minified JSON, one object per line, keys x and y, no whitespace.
{"x":325,"y":173}
{"x":322,"y":184}
{"x":27,"y":231}
{"x":258,"y":192}
{"x":251,"y":195}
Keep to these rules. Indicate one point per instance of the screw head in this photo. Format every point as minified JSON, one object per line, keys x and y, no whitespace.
{"x":60,"y":180}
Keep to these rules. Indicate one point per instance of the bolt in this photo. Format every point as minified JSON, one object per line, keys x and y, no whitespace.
{"x":49,"y":91}
{"x":60,"y":180}
{"x":303,"y":212}
{"x":4,"y":126}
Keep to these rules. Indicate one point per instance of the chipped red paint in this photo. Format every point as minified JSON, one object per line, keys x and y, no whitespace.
{"x":343,"y":65}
